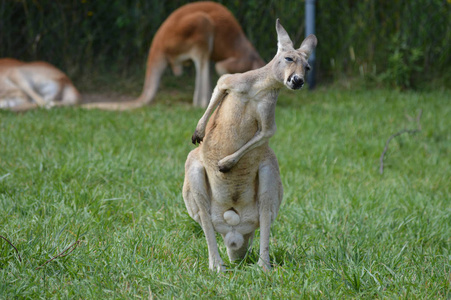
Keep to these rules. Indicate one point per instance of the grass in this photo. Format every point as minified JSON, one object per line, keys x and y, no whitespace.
{"x":113,"y":181}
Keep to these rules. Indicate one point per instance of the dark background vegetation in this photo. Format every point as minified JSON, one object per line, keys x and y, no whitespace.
{"x":402,"y":44}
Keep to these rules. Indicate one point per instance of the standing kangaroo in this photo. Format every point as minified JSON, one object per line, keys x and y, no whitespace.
{"x":232,"y":182}
{"x":199,"y":31}
{"x":35,"y":84}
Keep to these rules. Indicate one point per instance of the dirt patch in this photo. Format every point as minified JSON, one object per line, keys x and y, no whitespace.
{"x":105,"y":97}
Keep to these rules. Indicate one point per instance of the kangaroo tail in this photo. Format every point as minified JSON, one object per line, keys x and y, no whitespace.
{"x":156,"y":64}
{"x":234,"y":240}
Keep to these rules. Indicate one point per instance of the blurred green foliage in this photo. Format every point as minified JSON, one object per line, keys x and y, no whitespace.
{"x":394,"y":42}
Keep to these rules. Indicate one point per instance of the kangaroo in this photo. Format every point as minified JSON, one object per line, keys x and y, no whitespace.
{"x":199,"y":31}
{"x":232,"y":183}
{"x":30,"y":85}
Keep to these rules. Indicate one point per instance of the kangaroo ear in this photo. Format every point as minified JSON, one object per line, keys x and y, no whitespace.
{"x":283,"y":40}
{"x":309,"y":44}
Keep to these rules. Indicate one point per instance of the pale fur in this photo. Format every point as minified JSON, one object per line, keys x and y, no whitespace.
{"x":232,"y":183}
{"x":35,"y":84}
{"x":199,"y":31}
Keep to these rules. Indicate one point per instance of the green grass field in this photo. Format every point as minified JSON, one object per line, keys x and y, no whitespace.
{"x":113,"y":181}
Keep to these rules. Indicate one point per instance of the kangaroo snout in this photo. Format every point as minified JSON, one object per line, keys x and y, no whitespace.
{"x":295,"y":82}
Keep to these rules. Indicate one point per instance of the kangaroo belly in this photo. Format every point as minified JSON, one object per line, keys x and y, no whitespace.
{"x":234,"y":194}
{"x":234,"y":204}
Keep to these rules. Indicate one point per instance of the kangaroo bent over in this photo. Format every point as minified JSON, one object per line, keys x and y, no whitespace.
{"x":199,"y":31}
{"x":232,"y":182}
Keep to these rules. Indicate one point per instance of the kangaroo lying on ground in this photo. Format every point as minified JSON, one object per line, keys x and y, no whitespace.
{"x":198,"y":31}
{"x":30,"y":85}
{"x":232,"y":182}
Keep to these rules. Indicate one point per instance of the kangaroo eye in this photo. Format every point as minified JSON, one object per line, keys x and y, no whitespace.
{"x":289,"y":59}
{"x":307,"y":68}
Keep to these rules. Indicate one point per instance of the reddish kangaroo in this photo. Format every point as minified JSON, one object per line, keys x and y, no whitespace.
{"x":199,"y":31}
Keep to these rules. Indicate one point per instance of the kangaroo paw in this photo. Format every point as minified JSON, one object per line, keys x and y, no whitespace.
{"x":226,"y":164}
{"x":197,"y":137}
{"x":266,"y":266}
{"x":217,"y":265}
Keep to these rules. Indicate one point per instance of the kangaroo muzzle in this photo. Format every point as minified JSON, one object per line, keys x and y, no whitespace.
{"x":295,"y":82}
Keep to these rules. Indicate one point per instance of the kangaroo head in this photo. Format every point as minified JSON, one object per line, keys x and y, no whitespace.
{"x":289,"y":64}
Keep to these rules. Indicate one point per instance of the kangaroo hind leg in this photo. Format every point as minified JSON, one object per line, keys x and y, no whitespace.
{"x":270,"y":193}
{"x":200,"y":41}
{"x":198,"y":202}
{"x":25,"y":84}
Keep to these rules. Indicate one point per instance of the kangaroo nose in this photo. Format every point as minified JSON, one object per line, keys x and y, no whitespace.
{"x":296,"y":81}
